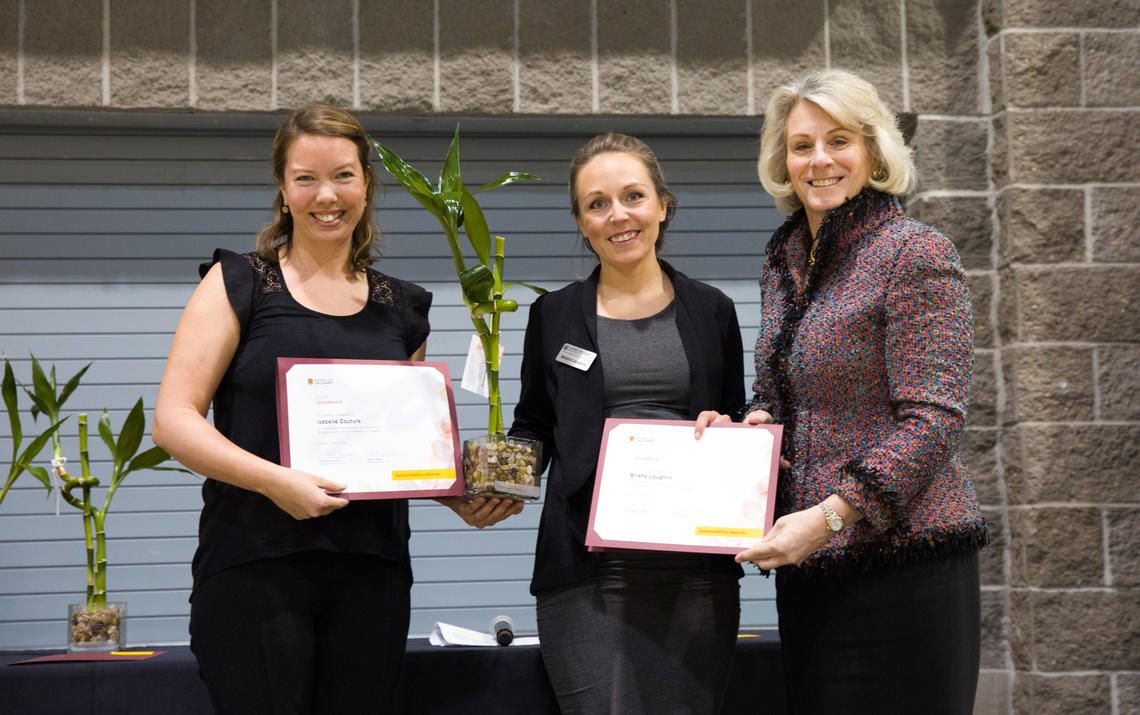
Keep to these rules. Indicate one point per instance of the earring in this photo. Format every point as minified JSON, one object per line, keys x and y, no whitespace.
{"x":284,"y":208}
{"x":879,"y":173}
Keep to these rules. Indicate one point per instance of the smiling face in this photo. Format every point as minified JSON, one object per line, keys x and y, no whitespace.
{"x":619,"y":212}
{"x":827,"y":163}
{"x":324,"y":187}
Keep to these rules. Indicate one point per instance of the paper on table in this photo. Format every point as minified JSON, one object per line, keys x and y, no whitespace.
{"x":89,"y":657}
{"x":445,"y":634}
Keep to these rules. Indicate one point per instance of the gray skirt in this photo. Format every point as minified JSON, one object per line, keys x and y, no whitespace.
{"x":648,"y":633}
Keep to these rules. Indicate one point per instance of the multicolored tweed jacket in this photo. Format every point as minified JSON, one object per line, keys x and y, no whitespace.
{"x":865,"y":359}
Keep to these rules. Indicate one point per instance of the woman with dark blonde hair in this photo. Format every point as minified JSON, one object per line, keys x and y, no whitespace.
{"x":864,"y":356}
{"x":301,"y":599}
{"x":629,"y":631}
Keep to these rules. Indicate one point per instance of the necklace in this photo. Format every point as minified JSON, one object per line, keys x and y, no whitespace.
{"x":811,"y":254}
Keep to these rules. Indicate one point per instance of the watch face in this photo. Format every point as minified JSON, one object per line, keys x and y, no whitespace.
{"x":835,"y":523}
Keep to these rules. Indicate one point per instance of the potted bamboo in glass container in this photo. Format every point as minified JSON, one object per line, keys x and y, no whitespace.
{"x":493,"y":464}
{"x":96,"y":623}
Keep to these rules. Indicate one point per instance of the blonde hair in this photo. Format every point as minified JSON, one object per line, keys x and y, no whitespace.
{"x":855,"y":105}
{"x":329,"y":121}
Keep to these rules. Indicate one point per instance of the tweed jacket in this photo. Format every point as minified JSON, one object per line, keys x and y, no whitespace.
{"x":562,"y":406}
{"x":865,"y":359}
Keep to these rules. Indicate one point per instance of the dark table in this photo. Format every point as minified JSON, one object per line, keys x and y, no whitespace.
{"x":436,"y":680}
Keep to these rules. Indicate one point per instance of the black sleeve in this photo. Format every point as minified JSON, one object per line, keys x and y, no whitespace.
{"x":238,"y":276}
{"x":417,"y":303}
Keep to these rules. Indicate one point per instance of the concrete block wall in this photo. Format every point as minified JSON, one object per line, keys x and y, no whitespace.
{"x":1065,"y":121}
{"x":1027,"y":132}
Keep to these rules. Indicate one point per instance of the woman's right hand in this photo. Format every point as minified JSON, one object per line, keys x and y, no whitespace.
{"x":304,"y":496}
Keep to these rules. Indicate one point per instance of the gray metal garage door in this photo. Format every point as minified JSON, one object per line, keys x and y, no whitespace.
{"x":103,"y":221}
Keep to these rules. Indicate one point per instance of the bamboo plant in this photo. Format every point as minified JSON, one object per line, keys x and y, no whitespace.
{"x":48,"y":399}
{"x":481,"y":283}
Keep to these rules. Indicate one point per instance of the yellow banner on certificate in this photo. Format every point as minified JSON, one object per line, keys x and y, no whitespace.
{"x":729,"y":531}
{"x":408,"y":474}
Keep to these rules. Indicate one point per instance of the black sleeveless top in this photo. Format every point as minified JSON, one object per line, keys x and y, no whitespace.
{"x":238,"y":526}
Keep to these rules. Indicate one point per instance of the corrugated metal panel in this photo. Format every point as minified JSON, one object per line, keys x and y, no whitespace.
{"x":101,"y":232}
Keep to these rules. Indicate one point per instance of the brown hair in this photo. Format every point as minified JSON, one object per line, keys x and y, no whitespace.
{"x":624,"y":144}
{"x":322,"y":120}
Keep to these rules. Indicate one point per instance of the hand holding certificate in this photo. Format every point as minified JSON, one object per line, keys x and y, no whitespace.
{"x":385,"y":428}
{"x":659,"y":488}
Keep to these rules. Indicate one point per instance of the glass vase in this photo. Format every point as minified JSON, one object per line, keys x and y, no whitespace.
{"x":498,"y":466}
{"x":98,"y":629}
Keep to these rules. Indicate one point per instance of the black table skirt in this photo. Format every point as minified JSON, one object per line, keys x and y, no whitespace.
{"x":436,"y":680}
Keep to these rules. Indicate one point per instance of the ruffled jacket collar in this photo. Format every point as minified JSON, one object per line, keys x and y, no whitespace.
{"x":842,"y":229}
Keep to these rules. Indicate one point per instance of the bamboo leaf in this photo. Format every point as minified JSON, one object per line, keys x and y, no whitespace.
{"x":537,"y":289}
{"x":44,"y":391}
{"x":450,"y":181}
{"x":36,"y":446}
{"x":475,"y":226}
{"x":8,"y":389}
{"x":130,"y":437}
{"x":41,"y":474}
{"x":509,"y":178}
{"x":407,"y":175}
{"x":477,"y":283}
{"x":105,"y":433}
{"x":149,"y":459}
{"x":174,"y":469}
{"x":71,"y":385}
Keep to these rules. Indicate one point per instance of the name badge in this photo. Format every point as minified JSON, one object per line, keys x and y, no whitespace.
{"x":576,"y":357}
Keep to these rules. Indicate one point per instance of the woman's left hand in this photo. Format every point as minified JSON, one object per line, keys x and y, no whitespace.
{"x":793,"y":538}
{"x":481,"y":511}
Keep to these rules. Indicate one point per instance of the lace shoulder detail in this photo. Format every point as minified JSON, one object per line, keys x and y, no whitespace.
{"x":380,"y":288}
{"x":268,"y":274}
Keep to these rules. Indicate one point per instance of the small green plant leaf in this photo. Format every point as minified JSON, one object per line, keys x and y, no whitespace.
{"x":42,"y":475}
{"x":43,"y":394}
{"x":149,"y":459}
{"x":105,"y":434}
{"x":36,"y":445}
{"x":509,"y":178}
{"x":408,"y":176}
{"x":71,"y":384}
{"x":449,"y":179}
{"x":475,"y":226}
{"x":130,"y":437}
{"x":537,"y":289}
{"x":10,"y":393}
{"x":477,"y":283}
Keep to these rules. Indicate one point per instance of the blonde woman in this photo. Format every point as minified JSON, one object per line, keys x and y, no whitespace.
{"x":864,"y":356}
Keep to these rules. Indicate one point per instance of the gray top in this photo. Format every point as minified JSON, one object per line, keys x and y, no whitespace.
{"x":645,"y":370}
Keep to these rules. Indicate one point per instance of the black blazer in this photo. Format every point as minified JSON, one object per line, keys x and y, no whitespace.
{"x":562,"y":406}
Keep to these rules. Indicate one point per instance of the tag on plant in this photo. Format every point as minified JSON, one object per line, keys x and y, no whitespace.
{"x":475,"y":369}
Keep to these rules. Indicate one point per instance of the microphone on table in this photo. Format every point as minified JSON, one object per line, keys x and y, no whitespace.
{"x":503,"y":628}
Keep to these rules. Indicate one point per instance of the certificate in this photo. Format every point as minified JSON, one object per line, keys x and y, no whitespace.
{"x":658,"y":488}
{"x":386,"y":428}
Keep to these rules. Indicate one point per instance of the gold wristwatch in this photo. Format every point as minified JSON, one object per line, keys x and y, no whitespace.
{"x":834,"y":521}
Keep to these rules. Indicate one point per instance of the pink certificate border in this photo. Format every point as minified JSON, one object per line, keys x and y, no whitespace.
{"x":594,"y":542}
{"x":456,"y":489}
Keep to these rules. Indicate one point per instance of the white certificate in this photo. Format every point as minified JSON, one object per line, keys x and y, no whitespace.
{"x":659,"y":488}
{"x":386,"y":428}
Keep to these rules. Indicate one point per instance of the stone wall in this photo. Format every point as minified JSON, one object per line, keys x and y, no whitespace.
{"x":1027,"y":138}
{"x":1065,"y":117}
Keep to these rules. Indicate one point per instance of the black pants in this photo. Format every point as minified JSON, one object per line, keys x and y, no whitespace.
{"x":641,"y":638}
{"x":901,"y":640}
{"x":315,"y":632}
